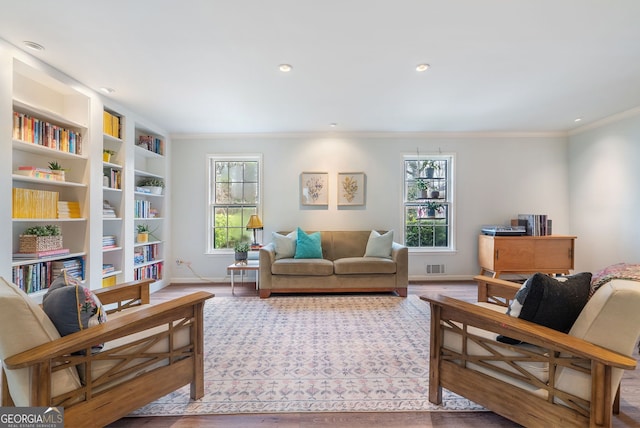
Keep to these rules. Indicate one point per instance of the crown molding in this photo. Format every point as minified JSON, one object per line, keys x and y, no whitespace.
{"x":371,"y":135}
{"x":606,"y":121}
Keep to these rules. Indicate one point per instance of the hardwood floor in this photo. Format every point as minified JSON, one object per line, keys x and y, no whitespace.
{"x":629,"y":409}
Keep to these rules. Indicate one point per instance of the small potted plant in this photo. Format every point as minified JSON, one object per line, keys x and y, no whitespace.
{"x":153,"y":184}
{"x":423,"y":187}
{"x":41,"y":238}
{"x":433,"y":208}
{"x":106,"y":155}
{"x":143,"y":233}
{"x":57,"y":170}
{"x":431,"y":166}
{"x":241,"y":252}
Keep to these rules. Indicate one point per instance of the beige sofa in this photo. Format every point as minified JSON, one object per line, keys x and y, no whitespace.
{"x":342,"y":268}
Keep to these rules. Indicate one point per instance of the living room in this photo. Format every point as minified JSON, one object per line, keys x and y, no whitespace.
{"x":582,"y":174}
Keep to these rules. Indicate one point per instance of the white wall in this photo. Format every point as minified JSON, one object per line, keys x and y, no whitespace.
{"x":604,"y":173}
{"x":497,"y":178}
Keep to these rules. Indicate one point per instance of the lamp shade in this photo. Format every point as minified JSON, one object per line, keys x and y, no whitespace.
{"x":254,"y":222}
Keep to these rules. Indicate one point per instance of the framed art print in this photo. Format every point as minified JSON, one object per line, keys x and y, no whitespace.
{"x":314,"y":188}
{"x":351,"y":188}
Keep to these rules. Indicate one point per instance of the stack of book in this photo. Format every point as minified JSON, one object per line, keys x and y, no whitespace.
{"x":73,"y":267}
{"x":108,"y":241}
{"x":41,"y":254}
{"x":107,"y":268}
{"x":107,"y":210}
{"x":69,"y":209}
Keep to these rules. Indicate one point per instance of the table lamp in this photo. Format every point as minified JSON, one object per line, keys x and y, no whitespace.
{"x":256,"y":224}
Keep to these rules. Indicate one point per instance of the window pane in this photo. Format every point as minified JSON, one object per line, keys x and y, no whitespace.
{"x":236,"y":193}
{"x":236,"y":172}
{"x":250,"y":193}
{"x":251,"y":172}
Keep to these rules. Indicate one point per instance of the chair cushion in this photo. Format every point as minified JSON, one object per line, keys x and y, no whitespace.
{"x":610,"y":319}
{"x":551,"y":302}
{"x":24,"y":325}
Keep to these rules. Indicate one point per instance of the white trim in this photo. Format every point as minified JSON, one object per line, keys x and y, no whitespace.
{"x":450,"y":198}
{"x":606,"y":121}
{"x":442,"y":135}
{"x":240,"y":157}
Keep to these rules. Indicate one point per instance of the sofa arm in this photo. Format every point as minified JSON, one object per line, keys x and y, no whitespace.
{"x":496,"y":291}
{"x":267,"y":256}
{"x":400,"y":255}
{"x":127,"y":324}
{"x":125,"y":295}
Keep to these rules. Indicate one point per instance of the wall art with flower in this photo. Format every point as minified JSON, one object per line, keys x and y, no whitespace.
{"x":314,"y":188}
{"x":351,"y":188}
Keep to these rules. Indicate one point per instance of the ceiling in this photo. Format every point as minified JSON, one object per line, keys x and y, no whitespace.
{"x":211,"y":66}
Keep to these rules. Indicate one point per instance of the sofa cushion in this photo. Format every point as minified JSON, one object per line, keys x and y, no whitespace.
{"x":308,"y":245}
{"x":364,"y":265}
{"x":24,"y":325}
{"x":551,"y":302}
{"x":313,"y":267}
{"x":379,"y":245}
{"x":285,"y":245}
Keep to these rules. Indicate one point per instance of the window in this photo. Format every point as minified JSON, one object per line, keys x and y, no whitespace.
{"x":234,"y":195}
{"x":428,"y":201}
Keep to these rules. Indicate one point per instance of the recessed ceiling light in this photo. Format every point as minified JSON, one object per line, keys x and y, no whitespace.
{"x":333,"y":124}
{"x":107,"y":90}
{"x":422,"y":67}
{"x":285,"y":68}
{"x":578,"y":119}
{"x":33,"y":45}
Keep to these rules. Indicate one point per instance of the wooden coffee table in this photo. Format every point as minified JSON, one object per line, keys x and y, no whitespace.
{"x":250,"y":265}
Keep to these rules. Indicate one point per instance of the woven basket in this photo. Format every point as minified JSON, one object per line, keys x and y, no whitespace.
{"x":34,"y":244}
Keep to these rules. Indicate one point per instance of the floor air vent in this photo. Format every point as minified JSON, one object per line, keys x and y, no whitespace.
{"x":435,"y":268}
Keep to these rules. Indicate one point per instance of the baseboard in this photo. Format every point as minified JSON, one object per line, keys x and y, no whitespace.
{"x":423,"y":278}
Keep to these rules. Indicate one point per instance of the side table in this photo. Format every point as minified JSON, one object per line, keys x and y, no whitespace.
{"x":251,"y":265}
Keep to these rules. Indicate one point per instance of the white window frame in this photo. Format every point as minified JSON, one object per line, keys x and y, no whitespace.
{"x":449,"y":200}
{"x":211,"y":203}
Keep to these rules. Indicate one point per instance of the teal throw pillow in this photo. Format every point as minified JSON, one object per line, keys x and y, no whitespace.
{"x":285,"y":245}
{"x":379,"y":245}
{"x":308,"y":246}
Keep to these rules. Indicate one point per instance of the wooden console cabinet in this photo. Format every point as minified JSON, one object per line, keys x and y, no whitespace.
{"x":552,"y":254}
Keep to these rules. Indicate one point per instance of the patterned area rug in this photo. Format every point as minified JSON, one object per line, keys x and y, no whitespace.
{"x":350,"y":353}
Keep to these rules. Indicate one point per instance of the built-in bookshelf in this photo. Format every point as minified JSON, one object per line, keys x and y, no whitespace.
{"x":81,"y":156}
{"x":113,"y":196}
{"x":149,"y":203}
{"x":50,"y":175}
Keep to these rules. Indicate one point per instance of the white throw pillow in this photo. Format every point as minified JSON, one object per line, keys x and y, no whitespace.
{"x":285,"y":245}
{"x":379,"y":245}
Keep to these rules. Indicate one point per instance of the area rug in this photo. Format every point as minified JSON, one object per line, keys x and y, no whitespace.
{"x":336,"y":353}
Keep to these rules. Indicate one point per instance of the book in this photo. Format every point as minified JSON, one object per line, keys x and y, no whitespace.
{"x":42,"y":254}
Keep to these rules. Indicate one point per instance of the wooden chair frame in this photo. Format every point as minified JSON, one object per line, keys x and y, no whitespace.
{"x":459,"y":371}
{"x":127,"y":386}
